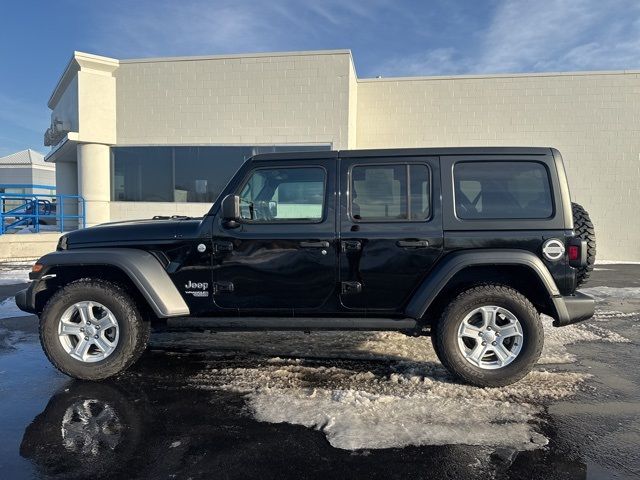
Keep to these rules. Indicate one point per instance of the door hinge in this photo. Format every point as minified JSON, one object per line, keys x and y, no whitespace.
{"x":222,"y":247}
{"x":222,"y":287}
{"x":349,"y":288}
{"x":351,"y":245}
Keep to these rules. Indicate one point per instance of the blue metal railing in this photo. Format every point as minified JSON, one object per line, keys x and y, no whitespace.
{"x":24,"y":210}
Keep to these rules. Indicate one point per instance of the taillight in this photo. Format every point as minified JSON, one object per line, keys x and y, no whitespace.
{"x":574,"y":252}
{"x":577,"y":252}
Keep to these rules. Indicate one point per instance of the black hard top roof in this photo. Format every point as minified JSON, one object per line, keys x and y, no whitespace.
{"x":405,"y":152}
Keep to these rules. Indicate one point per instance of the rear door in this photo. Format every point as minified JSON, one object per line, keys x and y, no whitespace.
{"x":390,"y":229}
{"x":282,"y":257}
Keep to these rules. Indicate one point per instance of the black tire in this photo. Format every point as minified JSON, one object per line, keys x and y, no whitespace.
{"x":584,"y":229}
{"x":134,"y":331}
{"x":445,"y":336}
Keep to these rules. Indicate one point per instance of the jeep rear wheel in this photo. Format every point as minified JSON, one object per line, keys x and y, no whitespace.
{"x":92,"y":330}
{"x":489,"y":336}
{"x":584,"y":229}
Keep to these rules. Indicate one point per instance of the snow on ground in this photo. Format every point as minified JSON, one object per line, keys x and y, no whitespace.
{"x":393,"y":404}
{"x":14,"y":273}
{"x":557,"y":339}
{"x":9,"y":309}
{"x":368,"y":390}
{"x":613,"y":293}
{"x":616,"y":262}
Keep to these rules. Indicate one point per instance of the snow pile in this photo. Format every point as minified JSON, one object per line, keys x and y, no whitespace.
{"x":616,"y":262}
{"x":11,"y":274}
{"x":354,"y":420}
{"x":368,"y":390}
{"x":606,"y":315}
{"x":393,"y":406}
{"x":611,"y":293}
{"x":373,"y":346}
{"x":326,"y":345}
{"x":557,"y":339}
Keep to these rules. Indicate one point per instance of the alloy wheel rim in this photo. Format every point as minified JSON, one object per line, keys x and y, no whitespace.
{"x":490,"y":337}
{"x":90,"y":426}
{"x":88,"y":331}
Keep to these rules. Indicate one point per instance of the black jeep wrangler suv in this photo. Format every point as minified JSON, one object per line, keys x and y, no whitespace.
{"x":467,"y":245}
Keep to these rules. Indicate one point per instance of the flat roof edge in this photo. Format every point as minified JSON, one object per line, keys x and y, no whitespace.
{"x":237,"y":55}
{"x":73,"y":67}
{"x":500,"y":75}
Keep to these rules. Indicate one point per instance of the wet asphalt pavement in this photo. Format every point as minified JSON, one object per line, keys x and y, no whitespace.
{"x":153,"y":423}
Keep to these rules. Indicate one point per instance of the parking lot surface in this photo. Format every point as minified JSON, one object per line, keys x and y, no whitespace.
{"x":326,"y":405}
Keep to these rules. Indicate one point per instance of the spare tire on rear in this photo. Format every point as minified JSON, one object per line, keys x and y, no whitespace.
{"x":584,"y":229}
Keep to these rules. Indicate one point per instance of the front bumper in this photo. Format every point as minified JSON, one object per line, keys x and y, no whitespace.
{"x":573,"y":308}
{"x":26,"y":299}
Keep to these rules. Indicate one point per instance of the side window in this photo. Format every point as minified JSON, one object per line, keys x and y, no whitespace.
{"x":283,"y":195}
{"x":498,"y":190}
{"x":387,"y":193}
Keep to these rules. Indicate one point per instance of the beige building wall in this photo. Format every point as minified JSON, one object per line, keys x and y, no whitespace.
{"x":299,"y":98}
{"x":140,"y":210}
{"x":353,"y":107}
{"x":311,"y":98}
{"x":65,"y":106}
{"x":592,"y":118}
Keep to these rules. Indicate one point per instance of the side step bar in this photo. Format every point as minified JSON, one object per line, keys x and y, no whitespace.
{"x":291,"y":324}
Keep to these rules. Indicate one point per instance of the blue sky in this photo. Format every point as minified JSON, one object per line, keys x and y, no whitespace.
{"x":387,"y":37}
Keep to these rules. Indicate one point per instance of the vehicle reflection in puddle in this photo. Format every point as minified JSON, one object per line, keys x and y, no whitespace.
{"x":90,"y":425}
{"x":151,"y":423}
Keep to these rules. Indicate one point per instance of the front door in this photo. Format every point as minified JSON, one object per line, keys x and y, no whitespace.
{"x":390,"y":230}
{"x":282,"y":258}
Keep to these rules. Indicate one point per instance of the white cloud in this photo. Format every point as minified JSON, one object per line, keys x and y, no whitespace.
{"x":545,"y":35}
{"x":185,"y":27}
{"x":560,"y":35}
{"x":439,"y":61}
{"x":198,"y":26}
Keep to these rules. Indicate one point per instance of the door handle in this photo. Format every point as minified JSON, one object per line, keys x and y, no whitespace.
{"x":315,"y":244}
{"x":412,"y":243}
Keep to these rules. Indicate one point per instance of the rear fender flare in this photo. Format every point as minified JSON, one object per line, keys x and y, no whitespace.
{"x":438,"y":279}
{"x":142,"y":268}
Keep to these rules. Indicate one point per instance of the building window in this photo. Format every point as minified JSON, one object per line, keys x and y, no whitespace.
{"x":180,"y":174}
{"x":495,"y":190}
{"x":387,"y":193}
{"x":273,"y":195}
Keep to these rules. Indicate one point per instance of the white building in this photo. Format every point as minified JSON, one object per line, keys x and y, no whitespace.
{"x":21,"y":170}
{"x":161,"y":136}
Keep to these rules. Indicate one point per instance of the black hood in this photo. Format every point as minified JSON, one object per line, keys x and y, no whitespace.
{"x":132,"y":232}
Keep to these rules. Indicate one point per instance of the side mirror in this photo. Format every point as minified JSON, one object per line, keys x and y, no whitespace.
{"x":230,"y":210}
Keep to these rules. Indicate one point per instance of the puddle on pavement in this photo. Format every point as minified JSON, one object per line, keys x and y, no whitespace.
{"x":276,"y":403}
{"x":104,"y":430}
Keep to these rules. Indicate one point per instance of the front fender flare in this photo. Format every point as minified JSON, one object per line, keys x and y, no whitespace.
{"x":142,"y":268}
{"x":457,"y":261}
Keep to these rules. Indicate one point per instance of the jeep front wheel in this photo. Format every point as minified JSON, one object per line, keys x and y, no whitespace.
{"x":489,"y":336}
{"x":92,"y":330}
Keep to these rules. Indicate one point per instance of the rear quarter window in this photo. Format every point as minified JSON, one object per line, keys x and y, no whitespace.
{"x":502,"y":190}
